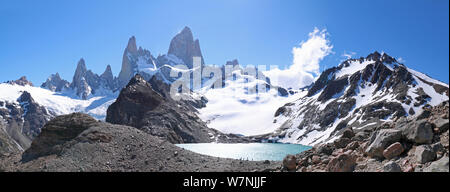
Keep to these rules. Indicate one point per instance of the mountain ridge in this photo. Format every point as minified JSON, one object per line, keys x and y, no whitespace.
{"x":362,"y":90}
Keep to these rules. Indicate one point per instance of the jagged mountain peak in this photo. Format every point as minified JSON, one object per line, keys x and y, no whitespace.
{"x":134,"y":60}
{"x":55,"y":83}
{"x":25,"y":97}
{"x":185,"y":47}
{"x":138,"y":80}
{"x":81,"y":65}
{"x":131,"y":47}
{"x":86,"y":83}
{"x":108,"y":71}
{"x":56,"y":75}
{"x":186,"y":32}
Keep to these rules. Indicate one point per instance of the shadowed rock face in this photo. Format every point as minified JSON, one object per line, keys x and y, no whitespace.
{"x":35,"y":116}
{"x":21,"y":122}
{"x":140,"y":106}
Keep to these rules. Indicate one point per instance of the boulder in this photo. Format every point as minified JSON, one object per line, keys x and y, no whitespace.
{"x":393,"y":150}
{"x":391,"y":166}
{"x":326,"y":149}
{"x":437,"y":147}
{"x":419,"y":132}
{"x":424,"y":154}
{"x":315,"y":159}
{"x":290,"y":162}
{"x":382,"y":139}
{"x":342,"y":163}
{"x":440,"y":165}
{"x":56,"y":133}
{"x":425,"y":114}
{"x":442,"y":124}
{"x":444,"y":139}
{"x":341,"y":142}
{"x":348,"y":133}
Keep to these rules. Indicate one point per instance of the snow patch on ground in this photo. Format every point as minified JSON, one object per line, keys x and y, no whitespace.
{"x":354,"y":66}
{"x":232,"y":110}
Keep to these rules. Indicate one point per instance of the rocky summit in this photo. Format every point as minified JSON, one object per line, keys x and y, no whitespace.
{"x":361,"y":94}
{"x":140,"y":106}
{"x":55,"y":83}
{"x":86,"y":83}
{"x":185,"y":47}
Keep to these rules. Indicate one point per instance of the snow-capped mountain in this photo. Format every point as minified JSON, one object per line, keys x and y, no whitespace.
{"x":21,"y":121}
{"x":358,"y":93}
{"x":86,"y":83}
{"x":55,"y":83}
{"x":182,"y":49}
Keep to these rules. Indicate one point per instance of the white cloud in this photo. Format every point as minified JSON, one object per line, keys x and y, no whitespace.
{"x":305,"y":66}
{"x":348,"y":55}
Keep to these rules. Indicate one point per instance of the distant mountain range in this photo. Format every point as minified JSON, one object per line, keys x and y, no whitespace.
{"x":358,"y":93}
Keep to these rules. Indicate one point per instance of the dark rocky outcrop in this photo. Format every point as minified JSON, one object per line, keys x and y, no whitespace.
{"x":22,"y":120}
{"x":334,"y":87}
{"x":382,"y":110}
{"x":58,"y":133}
{"x":140,"y":106}
{"x":35,"y":116}
{"x":323,"y":80}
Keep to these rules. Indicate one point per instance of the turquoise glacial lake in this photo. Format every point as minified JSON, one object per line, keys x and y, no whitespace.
{"x":250,"y":151}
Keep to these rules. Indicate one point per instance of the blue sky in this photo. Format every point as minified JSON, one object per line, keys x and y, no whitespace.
{"x":38,"y":38}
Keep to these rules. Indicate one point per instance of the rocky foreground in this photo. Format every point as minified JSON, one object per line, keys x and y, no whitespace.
{"x":77,"y":142}
{"x":419,"y":144}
